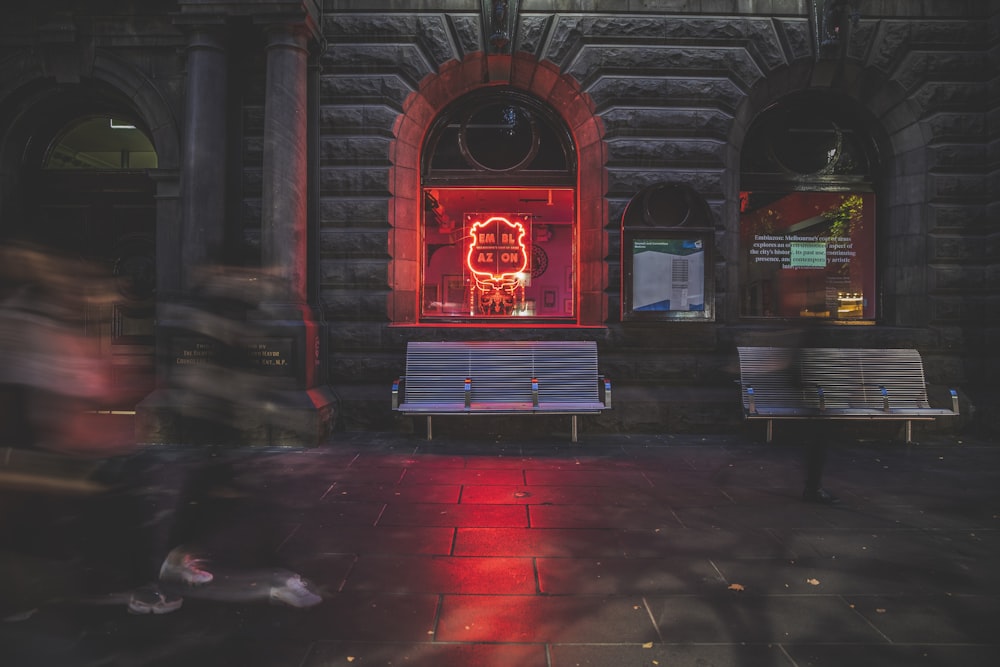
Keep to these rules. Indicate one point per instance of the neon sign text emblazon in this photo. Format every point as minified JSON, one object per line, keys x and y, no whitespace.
{"x":497,"y":259}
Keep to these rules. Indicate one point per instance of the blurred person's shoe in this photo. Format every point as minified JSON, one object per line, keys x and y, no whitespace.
{"x":181,"y":567}
{"x":17,"y":617}
{"x":820,"y":496}
{"x":294,"y":592}
{"x":151,"y":600}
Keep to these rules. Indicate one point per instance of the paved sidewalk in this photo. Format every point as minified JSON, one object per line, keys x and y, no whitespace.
{"x":618,"y":551}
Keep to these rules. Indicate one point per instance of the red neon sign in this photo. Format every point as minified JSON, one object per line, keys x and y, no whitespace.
{"x":496,"y":251}
{"x":497,"y":260}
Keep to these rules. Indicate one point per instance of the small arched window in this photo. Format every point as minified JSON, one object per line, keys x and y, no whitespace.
{"x":499,"y":221}
{"x":807,"y":212}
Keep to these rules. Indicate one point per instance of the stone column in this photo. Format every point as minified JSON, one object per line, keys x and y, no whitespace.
{"x":285,"y":329}
{"x":284,"y":223}
{"x":190,"y":228}
{"x":203,"y":167}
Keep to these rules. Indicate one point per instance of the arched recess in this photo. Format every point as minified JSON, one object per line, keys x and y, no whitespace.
{"x":893,"y":123}
{"x":543,"y":81}
{"x":27,"y":88}
{"x":118,"y":213}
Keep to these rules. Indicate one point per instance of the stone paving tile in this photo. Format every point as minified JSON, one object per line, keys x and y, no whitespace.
{"x":465,"y":514}
{"x":344,"y":513}
{"x":408,"y":493}
{"x":900,"y":545}
{"x":926,"y":655}
{"x":788,"y":516}
{"x":739,"y":618}
{"x":651,"y":654}
{"x":370,"y":539}
{"x":443,"y":574}
{"x":505,"y":542}
{"x":433,"y":475}
{"x":356,"y":616}
{"x":533,"y":495}
{"x":601,"y":516}
{"x":677,"y":496}
{"x":843,"y":575}
{"x":949,"y":516}
{"x":436,"y":654}
{"x":627,"y":576}
{"x":577,"y":477}
{"x":932,"y":619}
{"x":703,"y":542}
{"x":548,"y":619}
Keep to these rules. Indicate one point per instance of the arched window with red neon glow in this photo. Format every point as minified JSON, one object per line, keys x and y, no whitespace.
{"x":499,"y":223}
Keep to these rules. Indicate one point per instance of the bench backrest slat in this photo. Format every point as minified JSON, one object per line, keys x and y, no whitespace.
{"x":501,"y":371}
{"x":850,"y":378}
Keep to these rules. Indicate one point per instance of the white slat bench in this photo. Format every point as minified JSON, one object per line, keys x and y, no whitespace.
{"x":835,"y":383}
{"x":498,"y":378}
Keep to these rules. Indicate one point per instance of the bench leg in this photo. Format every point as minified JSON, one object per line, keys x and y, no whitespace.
{"x":909,"y":432}
{"x":429,"y":432}
{"x":770,"y":430}
{"x":573,"y":429}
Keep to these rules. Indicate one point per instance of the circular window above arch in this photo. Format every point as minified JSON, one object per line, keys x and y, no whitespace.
{"x":809,"y":138}
{"x":499,"y":137}
{"x":502,"y":135}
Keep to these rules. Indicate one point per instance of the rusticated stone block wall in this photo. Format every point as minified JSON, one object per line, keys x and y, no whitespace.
{"x":676,"y":85}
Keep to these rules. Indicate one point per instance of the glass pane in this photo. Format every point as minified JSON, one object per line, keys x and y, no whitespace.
{"x":101,"y":143}
{"x":498,"y":139}
{"x":808,"y":254}
{"x":668,"y":274}
{"x":501,"y":136}
{"x":498,"y":253}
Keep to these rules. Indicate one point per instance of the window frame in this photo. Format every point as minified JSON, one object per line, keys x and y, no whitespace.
{"x":633,"y":235}
{"x":852,"y":168}
{"x":519,"y":176}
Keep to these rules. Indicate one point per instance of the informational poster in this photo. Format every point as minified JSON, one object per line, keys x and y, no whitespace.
{"x":808,"y":254}
{"x":668,"y":274}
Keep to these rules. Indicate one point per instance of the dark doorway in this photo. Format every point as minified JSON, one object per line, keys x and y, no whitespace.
{"x":89,"y":196}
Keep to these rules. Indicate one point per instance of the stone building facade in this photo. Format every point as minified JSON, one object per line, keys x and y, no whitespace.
{"x":332,"y":145}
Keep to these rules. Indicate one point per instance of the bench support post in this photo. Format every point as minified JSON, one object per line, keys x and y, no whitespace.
{"x":573,"y":429}
{"x":770,"y":430}
{"x":909,"y":432}
{"x":429,"y":432}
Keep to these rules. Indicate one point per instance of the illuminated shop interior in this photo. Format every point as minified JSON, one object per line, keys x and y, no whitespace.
{"x":498,"y":252}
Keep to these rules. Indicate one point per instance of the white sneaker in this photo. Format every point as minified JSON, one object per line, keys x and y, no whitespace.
{"x":151,"y":600}
{"x":180,"y":566}
{"x":19,"y":616}
{"x":294,"y":592}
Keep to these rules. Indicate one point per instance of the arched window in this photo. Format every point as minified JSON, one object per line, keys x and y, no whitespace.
{"x":102,"y":142}
{"x":499,"y":221}
{"x":807,"y":212}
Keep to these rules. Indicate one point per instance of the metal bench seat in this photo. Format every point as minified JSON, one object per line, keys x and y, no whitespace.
{"x":836,"y":383}
{"x":495,"y":378}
